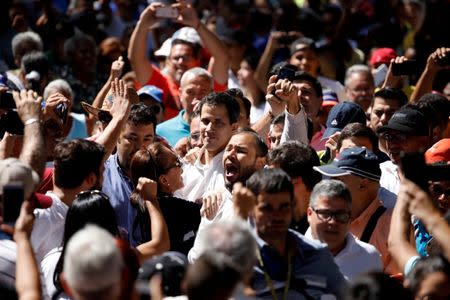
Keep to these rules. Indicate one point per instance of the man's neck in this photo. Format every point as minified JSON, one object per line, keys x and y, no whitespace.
{"x":336,"y":250}
{"x":124,"y":170}
{"x":208,"y":156}
{"x":187,"y":117}
{"x":279,"y":244}
{"x":358,"y":207}
{"x":66,"y":195}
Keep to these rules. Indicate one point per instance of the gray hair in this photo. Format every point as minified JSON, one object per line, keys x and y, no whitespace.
{"x":27,"y":37}
{"x":357,"y":69}
{"x":92,"y":262}
{"x":59,"y":85}
{"x":72,"y":44}
{"x":196,"y":72}
{"x":229,"y":243}
{"x":330,"y":188}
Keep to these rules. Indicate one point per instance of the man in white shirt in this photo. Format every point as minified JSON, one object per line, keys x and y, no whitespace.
{"x":78,"y":167}
{"x":219,"y":113}
{"x":329,"y":215}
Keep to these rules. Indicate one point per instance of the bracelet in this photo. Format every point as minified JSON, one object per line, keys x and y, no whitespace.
{"x":31,"y":121}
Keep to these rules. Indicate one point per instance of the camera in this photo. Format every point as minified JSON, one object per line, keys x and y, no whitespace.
{"x":415,"y":169}
{"x":7,"y":100}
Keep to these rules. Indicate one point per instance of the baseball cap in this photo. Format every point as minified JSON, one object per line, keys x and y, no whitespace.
{"x":152,"y":91}
{"x":165,"y":48}
{"x":187,"y":34}
{"x":382,"y":56}
{"x":407,"y":120}
{"x":357,"y":161}
{"x":342,"y":114}
{"x":439,"y":152}
{"x":14,"y":170}
{"x":330,"y":98}
{"x":172,"y":267}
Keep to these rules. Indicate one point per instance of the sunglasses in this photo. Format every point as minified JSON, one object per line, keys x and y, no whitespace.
{"x":326,"y":215}
{"x":177,"y":164}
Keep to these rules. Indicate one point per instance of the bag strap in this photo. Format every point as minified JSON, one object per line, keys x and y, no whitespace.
{"x":370,"y":227}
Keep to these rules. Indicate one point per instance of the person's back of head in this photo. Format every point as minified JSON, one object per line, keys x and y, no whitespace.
{"x":375,"y":286}
{"x":437,"y":108}
{"x":75,"y":160}
{"x":92,"y":265}
{"x":297,"y":160}
{"x":270,"y":181}
{"x":25,"y":42}
{"x":207,"y":280}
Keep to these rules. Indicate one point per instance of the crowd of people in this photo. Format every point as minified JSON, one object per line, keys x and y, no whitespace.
{"x":228,"y":149}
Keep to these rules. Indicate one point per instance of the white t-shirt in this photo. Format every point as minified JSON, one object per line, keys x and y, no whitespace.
{"x":199,"y":178}
{"x":356,"y":258}
{"x":389,"y":177}
{"x":48,"y":229}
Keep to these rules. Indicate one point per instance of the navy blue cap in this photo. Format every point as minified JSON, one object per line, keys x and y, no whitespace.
{"x":407,"y":120}
{"x":357,"y":161}
{"x":342,"y":114}
{"x":151,"y":91}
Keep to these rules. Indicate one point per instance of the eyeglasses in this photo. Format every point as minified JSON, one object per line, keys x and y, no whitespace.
{"x":397,"y":137}
{"x":177,"y":164}
{"x":326,"y":215}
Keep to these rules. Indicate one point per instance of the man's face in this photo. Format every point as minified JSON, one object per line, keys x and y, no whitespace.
{"x":181,"y":59}
{"x":305,"y":60}
{"x":132,"y":139}
{"x":382,"y":111}
{"x":275,"y":135}
{"x":193,"y":90}
{"x":356,"y":141}
{"x":215,"y":127}
{"x":239,"y":158}
{"x":273,"y":215}
{"x":440,"y":193}
{"x":308,"y":98}
{"x":327,"y":229}
{"x":360,"y":90}
{"x":353,"y":184}
{"x":396,"y":142}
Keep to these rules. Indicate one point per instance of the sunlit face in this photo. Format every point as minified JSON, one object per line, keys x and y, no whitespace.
{"x":360,"y":89}
{"x":215,"y":127}
{"x":305,"y":60}
{"x":382,"y":111}
{"x":434,"y":286}
{"x":396,"y":143}
{"x":181,"y":59}
{"x":239,"y":158}
{"x":195,"y":136}
{"x":245,"y":73}
{"x":172,"y":171}
{"x":356,"y":141}
{"x":132,"y":139}
{"x":308,"y":98}
{"x":273,"y":215}
{"x":193,"y":90}
{"x":276,"y":130}
{"x":331,"y":231}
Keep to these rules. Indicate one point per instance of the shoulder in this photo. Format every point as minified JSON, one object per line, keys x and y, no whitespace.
{"x":305,"y":244}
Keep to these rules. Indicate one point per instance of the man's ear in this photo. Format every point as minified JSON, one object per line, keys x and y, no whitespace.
{"x":163,"y":180}
{"x":65,"y":285}
{"x":234,"y":126}
{"x":91,"y":179}
{"x":260,"y":162}
{"x":363,"y":183}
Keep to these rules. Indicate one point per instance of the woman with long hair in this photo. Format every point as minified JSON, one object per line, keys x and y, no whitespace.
{"x":161,"y":164}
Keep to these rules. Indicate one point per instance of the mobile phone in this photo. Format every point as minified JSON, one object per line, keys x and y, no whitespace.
{"x":405,"y":68}
{"x":7,"y":100}
{"x":11,"y":122}
{"x":286,"y":73}
{"x":166,"y":12}
{"x":13,"y":197}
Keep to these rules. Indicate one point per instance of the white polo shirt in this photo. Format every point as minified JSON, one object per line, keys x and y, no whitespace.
{"x":356,"y":258}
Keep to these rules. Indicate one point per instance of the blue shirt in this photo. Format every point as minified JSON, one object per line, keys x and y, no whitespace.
{"x":313,"y":272}
{"x":174,"y":129}
{"x":118,"y":187}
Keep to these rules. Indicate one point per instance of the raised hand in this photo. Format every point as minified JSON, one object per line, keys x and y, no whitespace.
{"x":435,"y":59}
{"x":187,"y":14}
{"x":277,"y":105}
{"x":148,"y":16}
{"x":211,"y":204}
{"x":117,"y":68}
{"x":147,"y":188}
{"x":121,"y":102}
{"x":243,"y":200}
{"x":28,"y":106}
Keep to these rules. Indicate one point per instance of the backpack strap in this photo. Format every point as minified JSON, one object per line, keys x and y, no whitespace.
{"x":370,"y":227}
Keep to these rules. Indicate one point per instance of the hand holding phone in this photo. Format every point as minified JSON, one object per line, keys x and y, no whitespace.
{"x":12,"y":199}
{"x":406,"y":67}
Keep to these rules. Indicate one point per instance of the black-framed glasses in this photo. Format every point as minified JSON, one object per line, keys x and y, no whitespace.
{"x":399,"y":137}
{"x":340,"y":216}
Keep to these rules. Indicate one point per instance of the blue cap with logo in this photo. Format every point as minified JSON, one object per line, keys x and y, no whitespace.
{"x":342,"y":114}
{"x":151,"y":91}
{"x":357,"y":161}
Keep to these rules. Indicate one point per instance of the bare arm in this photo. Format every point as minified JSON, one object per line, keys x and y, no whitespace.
{"x":160,"y":241}
{"x":33,"y":149}
{"x":220,"y":60}
{"x":425,"y":209}
{"x":425,"y":83}
{"x":116,"y":71}
{"x":399,"y":232}
{"x":28,"y":283}
{"x":262,"y":69}
{"x":138,"y":42}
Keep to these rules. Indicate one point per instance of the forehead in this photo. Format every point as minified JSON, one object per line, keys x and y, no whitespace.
{"x":243,"y":139}
{"x":334,"y":203}
{"x":356,"y":141}
{"x":181,"y":49}
{"x":378,"y":101}
{"x":273,"y":198}
{"x":218,"y":111}
{"x":304,"y":50}
{"x":303,"y":84}
{"x":198,"y":81}
{"x":359,"y":77}
{"x":139,"y":129}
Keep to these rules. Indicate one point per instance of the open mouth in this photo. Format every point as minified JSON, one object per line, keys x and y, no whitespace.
{"x":231,"y":172}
